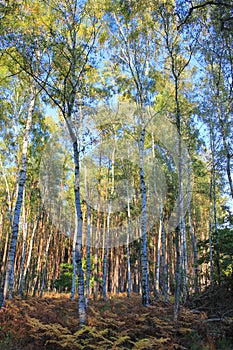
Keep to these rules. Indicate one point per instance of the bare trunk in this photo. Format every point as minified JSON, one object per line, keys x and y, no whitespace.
{"x":74,"y":275}
{"x":210,"y":238}
{"x":127,"y":245}
{"x":8,"y":283}
{"x":192,"y":233}
{"x":157,"y":270}
{"x":23,"y":250}
{"x":179,"y":227}
{"x":45,"y":264}
{"x":214,"y":199}
{"x":98,"y":228}
{"x":108,"y":220}
{"x":88,"y":277}
{"x":184,"y":259}
{"x":30,"y":250}
{"x":9,"y":202}
{"x":227,"y":152}
{"x":144,"y":261}
{"x":78,"y":253}
{"x":164,"y":258}
{"x":115,"y":286}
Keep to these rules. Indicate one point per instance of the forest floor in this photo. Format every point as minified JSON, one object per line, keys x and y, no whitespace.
{"x":51,"y":323}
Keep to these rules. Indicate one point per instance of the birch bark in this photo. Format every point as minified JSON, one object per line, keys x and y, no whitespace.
{"x":23,"y":250}
{"x":129,"y":283}
{"x":144,"y":260}
{"x":8,"y":281}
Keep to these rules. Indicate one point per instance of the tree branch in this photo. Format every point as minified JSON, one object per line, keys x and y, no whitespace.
{"x":196,"y":7}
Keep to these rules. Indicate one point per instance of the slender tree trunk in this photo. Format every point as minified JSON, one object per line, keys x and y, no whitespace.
{"x":88,"y":276}
{"x":8,"y":283}
{"x":74,"y":275}
{"x":4,"y":258}
{"x":211,"y":233}
{"x":24,"y":275}
{"x":110,"y":270}
{"x":45,"y":263}
{"x":163,"y":257}
{"x":105,"y":267}
{"x":144,"y":261}
{"x":81,"y":296}
{"x":127,"y":244}
{"x":38,"y":265}
{"x":105,"y":255}
{"x":2,"y":219}
{"x":158,"y":257}
{"x":180,"y":216}
{"x":108,"y":221}
{"x":8,"y":230}
{"x":98,"y":227}
{"x":192,"y":233}
{"x":23,"y":250}
{"x":178,"y":275}
{"x":227,"y":152}
{"x":184,"y":259}
{"x":115,"y":286}
{"x":157,"y":270}
{"x":214,"y":198}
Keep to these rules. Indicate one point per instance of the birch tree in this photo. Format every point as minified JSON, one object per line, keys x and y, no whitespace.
{"x":132,"y":35}
{"x":63,"y":35}
{"x":178,"y":58}
{"x":9,"y":277}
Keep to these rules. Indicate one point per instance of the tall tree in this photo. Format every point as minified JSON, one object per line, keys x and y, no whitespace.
{"x":178,"y":58}
{"x":9,"y":277}
{"x":63,"y":36}
{"x":134,"y":43}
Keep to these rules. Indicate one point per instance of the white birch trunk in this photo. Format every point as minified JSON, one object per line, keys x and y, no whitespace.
{"x":192,"y":233}
{"x":213,"y":176}
{"x":78,"y":250}
{"x":179,"y":213}
{"x":157,"y":270}
{"x":163,"y":259}
{"x":210,"y":236}
{"x":127,"y":244}
{"x":23,"y":250}
{"x":108,"y":223}
{"x":144,"y":261}
{"x":184,"y":258}
{"x":8,"y":283}
{"x":74,"y":275}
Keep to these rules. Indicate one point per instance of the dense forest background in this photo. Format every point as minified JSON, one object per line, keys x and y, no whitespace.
{"x":116,"y":149}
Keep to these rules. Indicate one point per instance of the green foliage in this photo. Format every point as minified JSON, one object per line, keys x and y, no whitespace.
{"x":64,"y":281}
{"x":224,"y":344}
{"x":222,"y":247}
{"x":225,"y":249}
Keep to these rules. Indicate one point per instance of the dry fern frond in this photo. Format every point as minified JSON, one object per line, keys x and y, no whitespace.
{"x":144,"y":344}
